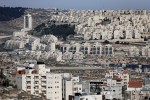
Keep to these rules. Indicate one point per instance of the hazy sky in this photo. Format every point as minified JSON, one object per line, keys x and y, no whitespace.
{"x":79,"y":4}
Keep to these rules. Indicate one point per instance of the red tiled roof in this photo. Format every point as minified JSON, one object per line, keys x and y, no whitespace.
{"x":19,"y":72}
{"x":125,"y":72}
{"x":135,"y":84}
{"x":34,"y":71}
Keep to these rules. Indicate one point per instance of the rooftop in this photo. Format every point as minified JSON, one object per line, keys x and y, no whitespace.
{"x":135,"y":84}
{"x":117,"y":79}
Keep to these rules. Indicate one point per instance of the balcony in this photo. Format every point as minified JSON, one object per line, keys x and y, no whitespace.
{"x":141,"y":93}
{"x":43,"y":78}
{"x":36,"y":79}
{"x":36,"y":84}
{"x":28,"y":84}
{"x":133,"y":92}
{"x":44,"y":92}
{"x":43,"y":87}
{"x":28,"y":79}
{"x":28,"y":88}
{"x":125,"y":76}
{"x":36,"y":92}
{"x":43,"y":83}
{"x":36,"y":88}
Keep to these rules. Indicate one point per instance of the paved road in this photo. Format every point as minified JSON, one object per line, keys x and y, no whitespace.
{"x":76,"y":68}
{"x":1,"y":37}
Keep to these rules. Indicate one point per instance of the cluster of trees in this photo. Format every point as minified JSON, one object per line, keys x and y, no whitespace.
{"x":106,"y":42}
{"x":3,"y":80}
{"x":9,"y":13}
{"x":60,"y":30}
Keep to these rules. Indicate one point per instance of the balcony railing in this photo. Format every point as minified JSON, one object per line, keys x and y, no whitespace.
{"x":28,"y":79}
{"x":43,"y":88}
{"x":141,"y":93}
{"x":36,"y":88}
{"x":43,"y":83}
{"x":43,"y":79}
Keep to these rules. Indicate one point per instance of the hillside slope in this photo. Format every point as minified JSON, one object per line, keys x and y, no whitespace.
{"x":11,"y":19}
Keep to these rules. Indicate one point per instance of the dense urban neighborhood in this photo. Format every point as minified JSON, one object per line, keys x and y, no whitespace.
{"x":55,"y":54}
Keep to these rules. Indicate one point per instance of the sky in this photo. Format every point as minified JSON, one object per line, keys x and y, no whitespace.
{"x":79,"y":4}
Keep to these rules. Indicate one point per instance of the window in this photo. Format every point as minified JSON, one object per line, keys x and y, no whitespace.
{"x":74,"y":89}
{"x":86,"y":52}
{"x":49,"y":87}
{"x":36,"y":77}
{"x":28,"y":87}
{"x":65,"y":48}
{"x":86,"y":48}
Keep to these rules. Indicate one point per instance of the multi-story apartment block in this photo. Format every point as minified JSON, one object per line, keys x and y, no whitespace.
{"x":147,"y":81}
{"x":39,"y":80}
{"x":107,"y":50}
{"x":143,"y":94}
{"x":94,"y":86}
{"x":96,"y":49}
{"x":28,"y":22}
{"x":122,"y":77}
{"x":71,"y":85}
{"x":146,"y":51}
{"x":88,"y":49}
{"x":88,"y":97}
{"x":114,"y":82}
{"x":113,"y":92}
{"x":85,"y":48}
{"x":64,"y":48}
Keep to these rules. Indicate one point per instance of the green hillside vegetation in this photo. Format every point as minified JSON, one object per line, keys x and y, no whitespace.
{"x":60,"y":30}
{"x":10,"y":13}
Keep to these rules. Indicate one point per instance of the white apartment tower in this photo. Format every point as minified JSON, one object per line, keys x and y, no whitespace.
{"x":27,"y":22}
{"x":39,"y":80}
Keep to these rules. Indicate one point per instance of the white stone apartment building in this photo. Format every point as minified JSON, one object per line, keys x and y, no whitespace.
{"x":114,"y":82}
{"x":40,"y":80}
{"x":89,"y":97}
{"x":146,"y":51}
{"x":14,"y":44}
{"x":122,"y":77}
{"x":112,"y":92}
{"x":71,"y":85}
{"x":88,"y":49}
{"x":28,"y":22}
{"x":143,"y":94}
